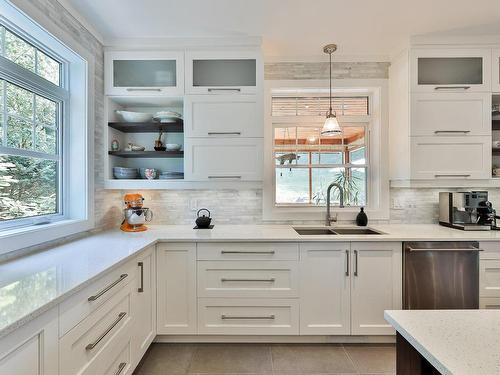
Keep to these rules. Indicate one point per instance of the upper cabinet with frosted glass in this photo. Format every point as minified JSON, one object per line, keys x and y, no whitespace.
{"x":144,"y":73}
{"x":450,"y":70}
{"x":223,"y":72}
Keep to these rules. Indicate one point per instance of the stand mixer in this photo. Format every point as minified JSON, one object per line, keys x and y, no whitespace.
{"x":135,"y":214}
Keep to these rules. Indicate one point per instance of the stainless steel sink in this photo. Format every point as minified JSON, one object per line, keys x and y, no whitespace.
{"x":336,"y":231}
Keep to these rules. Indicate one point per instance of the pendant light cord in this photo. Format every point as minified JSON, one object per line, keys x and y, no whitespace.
{"x":330,"y":84}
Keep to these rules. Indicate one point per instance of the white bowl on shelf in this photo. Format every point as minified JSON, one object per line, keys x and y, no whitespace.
{"x":167,"y":116}
{"x":173,"y":147}
{"x":129,"y":116}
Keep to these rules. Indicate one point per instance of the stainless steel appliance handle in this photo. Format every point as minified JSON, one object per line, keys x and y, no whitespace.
{"x":347,"y":263}
{"x":270,"y":252}
{"x":452,"y":131}
{"x":438,"y":249}
{"x":110,"y":286}
{"x":355,"y":262}
{"x":141,"y":288}
{"x":108,"y":330}
{"x":144,"y":90}
{"x":271,"y":280}
{"x":224,"y":133}
{"x":222,"y":177}
{"x":451,"y":87}
{"x":121,"y":367}
{"x":215,"y":89}
{"x":257,"y":317}
{"x":451,"y":175}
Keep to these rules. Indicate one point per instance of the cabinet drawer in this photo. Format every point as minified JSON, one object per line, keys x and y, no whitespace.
{"x":74,"y":309}
{"x":489,"y":273}
{"x":451,"y":157}
{"x":489,"y":303}
{"x":115,"y":361}
{"x":247,"y":251}
{"x":229,"y":316}
{"x":248,"y":279}
{"x":223,"y":116}
{"x":223,"y":159}
{"x":450,"y":114}
{"x":96,"y":336}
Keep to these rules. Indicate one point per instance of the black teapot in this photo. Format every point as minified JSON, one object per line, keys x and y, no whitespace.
{"x":203,"y":221}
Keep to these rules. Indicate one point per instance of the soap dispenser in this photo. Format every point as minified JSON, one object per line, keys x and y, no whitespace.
{"x":362,"y":219}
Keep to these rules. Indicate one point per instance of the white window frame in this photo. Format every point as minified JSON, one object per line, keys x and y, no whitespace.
{"x":377,"y":193}
{"x":76,"y":138}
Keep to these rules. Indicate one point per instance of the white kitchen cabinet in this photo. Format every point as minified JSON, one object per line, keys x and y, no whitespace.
{"x":147,"y":73}
{"x":248,"y":316}
{"x":324,"y":289}
{"x":450,"y":157}
{"x":223,"y":159}
{"x":223,"y":72}
{"x":450,"y":69}
{"x":247,"y":251}
{"x":33,"y":348}
{"x":176,"y":288}
{"x":495,"y":70}
{"x":223,"y":116}
{"x":144,"y":305}
{"x":376,"y":285}
{"x":450,"y":114}
{"x":249,"y":279}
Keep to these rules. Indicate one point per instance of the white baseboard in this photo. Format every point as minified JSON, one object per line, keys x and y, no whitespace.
{"x":275,"y":339}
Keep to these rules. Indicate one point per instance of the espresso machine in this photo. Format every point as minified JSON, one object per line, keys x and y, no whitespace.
{"x":467,"y":210}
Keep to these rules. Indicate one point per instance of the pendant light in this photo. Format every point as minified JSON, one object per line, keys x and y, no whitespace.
{"x":331,"y":126}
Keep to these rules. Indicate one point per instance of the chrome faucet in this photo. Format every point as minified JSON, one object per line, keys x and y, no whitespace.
{"x":329,"y":218}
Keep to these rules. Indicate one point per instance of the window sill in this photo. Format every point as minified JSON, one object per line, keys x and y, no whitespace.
{"x":22,"y":237}
{"x":284,"y":213}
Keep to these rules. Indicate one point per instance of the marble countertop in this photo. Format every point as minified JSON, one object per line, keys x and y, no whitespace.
{"x":458,"y":342}
{"x":35,"y":283}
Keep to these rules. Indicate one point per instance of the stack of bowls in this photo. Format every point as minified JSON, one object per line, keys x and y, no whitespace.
{"x":123,"y":173}
{"x":171,"y":176}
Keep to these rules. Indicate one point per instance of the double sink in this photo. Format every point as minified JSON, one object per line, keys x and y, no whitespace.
{"x":336,"y":231}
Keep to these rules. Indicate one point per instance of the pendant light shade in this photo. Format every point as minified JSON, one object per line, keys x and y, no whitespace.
{"x":331,"y":126}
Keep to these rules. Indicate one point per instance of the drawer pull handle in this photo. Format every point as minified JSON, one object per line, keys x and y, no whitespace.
{"x":222,"y":177}
{"x":451,"y":87}
{"x":451,"y":175}
{"x":141,"y":288}
{"x":223,"y":89}
{"x":144,"y":90}
{"x":237,"y":317}
{"x":271,"y":280}
{"x":438,"y":249}
{"x":121,"y":367}
{"x":224,"y":133}
{"x":271,"y":252}
{"x":108,"y":330}
{"x":452,"y":131}
{"x":110,"y":286}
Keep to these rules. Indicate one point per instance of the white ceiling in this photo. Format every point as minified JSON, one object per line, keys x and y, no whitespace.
{"x":292,"y":28}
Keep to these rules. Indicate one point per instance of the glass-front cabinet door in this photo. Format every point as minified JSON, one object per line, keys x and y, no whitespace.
{"x":451,"y":70}
{"x":223,"y":72}
{"x":144,"y":73}
{"x":495,"y":67}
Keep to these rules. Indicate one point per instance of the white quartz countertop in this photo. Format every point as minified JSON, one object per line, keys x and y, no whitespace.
{"x":35,"y":283}
{"x":458,"y":342}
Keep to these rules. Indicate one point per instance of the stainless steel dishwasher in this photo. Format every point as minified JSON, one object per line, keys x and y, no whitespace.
{"x":440,"y":275}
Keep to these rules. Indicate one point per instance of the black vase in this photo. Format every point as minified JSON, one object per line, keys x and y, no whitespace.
{"x":362,"y":219}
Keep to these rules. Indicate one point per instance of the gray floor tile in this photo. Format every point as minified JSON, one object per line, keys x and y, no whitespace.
{"x":308,"y":359}
{"x":373,"y":358}
{"x":167,"y":359}
{"x":231,"y":358}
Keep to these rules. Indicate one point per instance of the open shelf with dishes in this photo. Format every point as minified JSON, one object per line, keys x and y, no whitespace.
{"x":145,"y":141}
{"x":495,"y":136}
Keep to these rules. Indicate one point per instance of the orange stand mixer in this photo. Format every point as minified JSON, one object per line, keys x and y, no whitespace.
{"x":135,"y":214}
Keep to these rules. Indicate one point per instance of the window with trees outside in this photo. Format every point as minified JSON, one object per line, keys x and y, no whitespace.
{"x":32,"y":98}
{"x":306,"y":162}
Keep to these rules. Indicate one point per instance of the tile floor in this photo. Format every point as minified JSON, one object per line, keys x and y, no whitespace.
{"x":268,"y":359}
